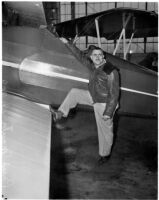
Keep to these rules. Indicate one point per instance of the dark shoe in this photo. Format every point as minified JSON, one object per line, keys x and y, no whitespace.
{"x":57,"y":115}
{"x":53,"y":112}
{"x":103,"y":159}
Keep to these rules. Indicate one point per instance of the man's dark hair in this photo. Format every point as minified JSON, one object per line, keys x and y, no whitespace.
{"x":89,"y":50}
{"x":92,"y":48}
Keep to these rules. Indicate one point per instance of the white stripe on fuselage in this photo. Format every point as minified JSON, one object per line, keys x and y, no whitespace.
{"x":55,"y":74}
{"x":139,"y":92}
{"x":10,"y":64}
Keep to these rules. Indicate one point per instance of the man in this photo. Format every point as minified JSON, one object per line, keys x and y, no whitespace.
{"x":102,"y":94}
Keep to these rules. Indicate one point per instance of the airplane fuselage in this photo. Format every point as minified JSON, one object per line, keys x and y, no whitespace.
{"x":38,"y":66}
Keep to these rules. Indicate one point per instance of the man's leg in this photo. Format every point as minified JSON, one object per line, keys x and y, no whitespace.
{"x":74,"y":97}
{"x":105,"y":130}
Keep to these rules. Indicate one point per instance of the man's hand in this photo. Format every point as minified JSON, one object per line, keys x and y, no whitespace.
{"x":64,"y":40}
{"x":105,"y":117}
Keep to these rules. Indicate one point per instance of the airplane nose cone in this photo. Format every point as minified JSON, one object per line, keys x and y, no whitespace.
{"x":53,"y":67}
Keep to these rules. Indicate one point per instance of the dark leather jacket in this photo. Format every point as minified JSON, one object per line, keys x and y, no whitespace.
{"x":103,"y":81}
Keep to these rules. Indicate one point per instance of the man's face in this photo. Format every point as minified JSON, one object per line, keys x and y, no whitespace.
{"x":97,"y":57}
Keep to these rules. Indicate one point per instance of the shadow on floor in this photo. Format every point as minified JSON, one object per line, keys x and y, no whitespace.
{"x":58,"y":180}
{"x":131,"y":173}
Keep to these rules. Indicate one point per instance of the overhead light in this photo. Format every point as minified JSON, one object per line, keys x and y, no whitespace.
{"x":131,"y":51}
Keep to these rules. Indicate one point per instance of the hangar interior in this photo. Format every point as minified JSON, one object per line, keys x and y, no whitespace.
{"x":42,"y":162}
{"x":74,"y":10}
{"x":140,"y":47}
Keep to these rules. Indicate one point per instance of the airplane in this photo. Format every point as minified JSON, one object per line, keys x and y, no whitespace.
{"x":39,"y":70}
{"x":41,"y":67}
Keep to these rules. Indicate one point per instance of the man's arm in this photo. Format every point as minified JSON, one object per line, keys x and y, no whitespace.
{"x":113,"y":81}
{"x":78,"y":54}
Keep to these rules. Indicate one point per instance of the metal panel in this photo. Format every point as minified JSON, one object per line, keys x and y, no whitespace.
{"x":26,"y":149}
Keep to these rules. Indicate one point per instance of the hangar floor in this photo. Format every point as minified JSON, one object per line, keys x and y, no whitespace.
{"x":131,"y":172}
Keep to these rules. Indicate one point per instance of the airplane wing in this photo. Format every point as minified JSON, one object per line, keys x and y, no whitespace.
{"x":26,"y":149}
{"x":143,"y":23}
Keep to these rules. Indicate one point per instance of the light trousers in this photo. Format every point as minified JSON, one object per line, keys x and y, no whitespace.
{"x":105,"y":128}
